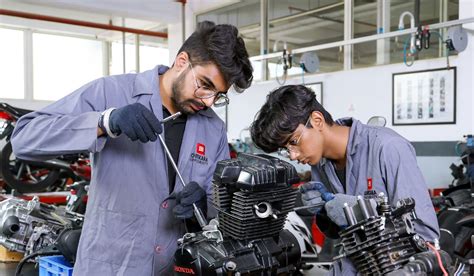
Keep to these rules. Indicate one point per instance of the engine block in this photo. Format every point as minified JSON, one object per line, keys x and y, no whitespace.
{"x":253,"y":195}
{"x":379,"y":238}
{"x":28,"y":226}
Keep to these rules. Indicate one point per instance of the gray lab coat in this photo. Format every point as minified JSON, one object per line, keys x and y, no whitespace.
{"x":129,"y":227}
{"x":389,"y":160}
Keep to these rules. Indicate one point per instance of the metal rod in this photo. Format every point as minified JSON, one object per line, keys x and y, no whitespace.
{"x":80,"y":23}
{"x":170,"y":157}
{"x":137,"y":53}
{"x":167,"y":151}
{"x":183,"y":20}
{"x":264,"y":36}
{"x":172,"y":117}
{"x":363,"y":207}
{"x":124,"y":56}
{"x":256,"y":26}
{"x":197,"y":212}
{"x":330,"y":19}
{"x":349,"y":214}
{"x":364,"y":39}
{"x":348,"y":33}
{"x":309,"y":206}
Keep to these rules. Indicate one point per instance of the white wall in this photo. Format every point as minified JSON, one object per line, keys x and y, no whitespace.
{"x":363,"y":93}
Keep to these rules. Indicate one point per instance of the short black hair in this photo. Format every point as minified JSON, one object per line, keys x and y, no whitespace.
{"x":286,"y":107}
{"x":221,"y":45}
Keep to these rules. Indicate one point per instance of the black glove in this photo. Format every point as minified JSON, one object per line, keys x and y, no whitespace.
{"x":135,"y":121}
{"x":191,"y":193}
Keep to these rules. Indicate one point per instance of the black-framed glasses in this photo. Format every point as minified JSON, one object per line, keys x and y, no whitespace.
{"x":290,"y":146}
{"x":205,"y":92}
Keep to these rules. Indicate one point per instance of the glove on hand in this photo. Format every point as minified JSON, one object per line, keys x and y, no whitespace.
{"x":135,"y":121}
{"x":191,"y":193}
{"x":335,"y":211}
{"x":314,"y":193}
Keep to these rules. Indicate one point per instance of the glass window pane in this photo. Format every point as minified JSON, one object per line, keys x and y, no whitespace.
{"x":330,"y":60}
{"x":116,"y":61}
{"x":150,"y":56}
{"x":245,"y":16}
{"x":391,"y":50}
{"x":63,"y":64}
{"x":365,"y":18}
{"x":430,"y":12}
{"x":12,"y":64}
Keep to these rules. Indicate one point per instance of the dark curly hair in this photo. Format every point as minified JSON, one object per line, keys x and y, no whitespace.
{"x":286,"y":107}
{"x":221,"y":45}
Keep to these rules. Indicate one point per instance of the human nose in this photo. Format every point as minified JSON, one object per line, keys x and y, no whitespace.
{"x":293,"y":154}
{"x":208,"y":102}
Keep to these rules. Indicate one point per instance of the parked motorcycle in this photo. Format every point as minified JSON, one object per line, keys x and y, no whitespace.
{"x":35,"y":176}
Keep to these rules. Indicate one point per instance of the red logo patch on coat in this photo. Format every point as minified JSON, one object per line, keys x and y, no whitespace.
{"x":201,"y":149}
{"x":369,"y":184}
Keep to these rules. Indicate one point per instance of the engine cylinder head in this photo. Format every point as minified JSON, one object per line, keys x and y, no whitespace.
{"x":379,"y":239}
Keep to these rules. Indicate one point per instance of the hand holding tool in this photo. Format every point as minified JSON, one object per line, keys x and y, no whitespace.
{"x":135,"y":121}
{"x":197,"y":212}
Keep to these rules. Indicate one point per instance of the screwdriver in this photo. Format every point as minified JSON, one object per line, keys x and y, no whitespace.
{"x":197,"y":212}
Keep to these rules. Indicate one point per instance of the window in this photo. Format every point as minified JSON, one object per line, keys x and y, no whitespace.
{"x":317,"y":22}
{"x":12,"y":75}
{"x":63,"y":64}
{"x":116,"y":60}
{"x":298,"y":23}
{"x":391,"y":50}
{"x":245,"y":16}
{"x":150,"y":56}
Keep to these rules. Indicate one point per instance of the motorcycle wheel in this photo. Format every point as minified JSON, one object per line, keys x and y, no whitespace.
{"x":23,"y":177}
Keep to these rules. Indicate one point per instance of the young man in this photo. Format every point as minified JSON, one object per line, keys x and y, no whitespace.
{"x":130,"y":226}
{"x":350,"y":158}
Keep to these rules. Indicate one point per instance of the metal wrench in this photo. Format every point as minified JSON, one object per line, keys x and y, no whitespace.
{"x":197,"y":212}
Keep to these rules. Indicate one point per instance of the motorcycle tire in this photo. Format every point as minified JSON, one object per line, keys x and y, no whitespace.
{"x":7,"y":171}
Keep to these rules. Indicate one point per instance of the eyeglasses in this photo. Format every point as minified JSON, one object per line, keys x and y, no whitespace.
{"x":288,"y":149}
{"x":204,"y":92}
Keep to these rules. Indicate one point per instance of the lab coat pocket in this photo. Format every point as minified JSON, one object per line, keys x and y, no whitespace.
{"x":116,"y":238}
{"x":202,"y":167}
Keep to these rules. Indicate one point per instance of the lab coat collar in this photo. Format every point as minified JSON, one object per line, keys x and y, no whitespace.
{"x":354,"y":124}
{"x":146,"y":83}
{"x":352,"y":143}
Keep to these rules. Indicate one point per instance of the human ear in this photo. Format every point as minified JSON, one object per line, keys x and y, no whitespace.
{"x":317,"y":120}
{"x":181,"y":61}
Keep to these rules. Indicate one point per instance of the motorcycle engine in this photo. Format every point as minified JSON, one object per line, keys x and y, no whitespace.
{"x":252,"y":196}
{"x":381,"y":239}
{"x":30,"y":226}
